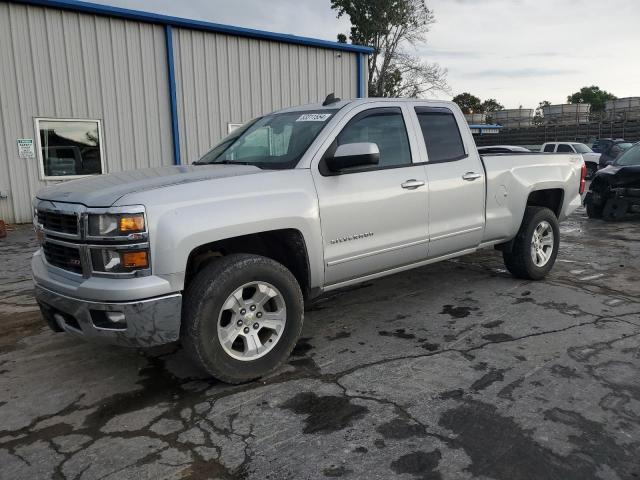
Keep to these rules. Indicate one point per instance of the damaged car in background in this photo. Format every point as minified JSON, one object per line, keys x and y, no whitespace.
{"x":615,"y":191}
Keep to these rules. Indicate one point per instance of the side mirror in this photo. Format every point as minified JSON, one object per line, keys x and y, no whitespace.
{"x":353,"y":155}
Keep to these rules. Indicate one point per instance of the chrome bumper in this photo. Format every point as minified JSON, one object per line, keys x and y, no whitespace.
{"x":143,"y":323}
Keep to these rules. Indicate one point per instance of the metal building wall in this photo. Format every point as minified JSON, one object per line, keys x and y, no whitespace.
{"x":223,"y":79}
{"x":63,"y":64}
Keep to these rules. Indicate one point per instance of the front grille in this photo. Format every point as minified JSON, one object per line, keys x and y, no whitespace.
{"x":67,"y":258}
{"x":58,"y":222}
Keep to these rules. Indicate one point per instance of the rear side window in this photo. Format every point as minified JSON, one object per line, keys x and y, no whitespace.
{"x":564,"y":148}
{"x":384,"y":127}
{"x":549,"y":148}
{"x":441,"y":134}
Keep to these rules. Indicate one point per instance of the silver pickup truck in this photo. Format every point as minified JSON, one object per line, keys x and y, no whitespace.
{"x":221,"y":254}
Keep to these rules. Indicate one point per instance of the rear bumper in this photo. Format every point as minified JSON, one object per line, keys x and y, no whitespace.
{"x":143,"y":323}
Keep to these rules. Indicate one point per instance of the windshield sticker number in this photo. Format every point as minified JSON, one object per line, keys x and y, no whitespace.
{"x":313,"y":117}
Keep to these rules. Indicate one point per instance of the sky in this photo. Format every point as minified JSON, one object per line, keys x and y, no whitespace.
{"x":519,"y":52}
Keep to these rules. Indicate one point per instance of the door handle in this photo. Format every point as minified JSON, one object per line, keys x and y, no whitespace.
{"x":471,"y":176}
{"x":412,"y":184}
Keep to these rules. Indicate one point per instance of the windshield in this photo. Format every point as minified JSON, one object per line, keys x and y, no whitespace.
{"x":582,"y":148}
{"x":274,"y":141}
{"x":630,"y":157}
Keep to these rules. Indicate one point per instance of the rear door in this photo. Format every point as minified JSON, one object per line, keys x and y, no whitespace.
{"x":565,"y":148}
{"x":456,"y":181}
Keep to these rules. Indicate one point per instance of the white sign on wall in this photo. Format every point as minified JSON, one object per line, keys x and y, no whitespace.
{"x":26,"y":148}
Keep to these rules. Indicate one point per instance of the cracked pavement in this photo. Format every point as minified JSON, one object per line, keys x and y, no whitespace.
{"x":451,"y":371}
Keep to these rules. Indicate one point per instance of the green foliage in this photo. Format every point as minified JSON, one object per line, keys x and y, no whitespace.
{"x":468,"y":103}
{"x":538,"y":116}
{"x":491,"y":105}
{"x":390,"y":26}
{"x":592,"y":95}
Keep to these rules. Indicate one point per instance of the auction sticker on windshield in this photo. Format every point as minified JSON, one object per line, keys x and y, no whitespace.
{"x":313,"y":117}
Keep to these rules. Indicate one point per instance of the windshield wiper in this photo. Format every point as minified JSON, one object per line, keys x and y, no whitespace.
{"x":223,"y":162}
{"x":232,"y":162}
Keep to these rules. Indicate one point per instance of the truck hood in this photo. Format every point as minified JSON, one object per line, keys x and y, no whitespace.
{"x":105,"y":190}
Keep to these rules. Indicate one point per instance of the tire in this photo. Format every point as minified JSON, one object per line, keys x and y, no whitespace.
{"x":519,"y":260}
{"x":592,"y":169}
{"x":205,"y":315}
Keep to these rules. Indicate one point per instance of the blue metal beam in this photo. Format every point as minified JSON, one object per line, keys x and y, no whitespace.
{"x":97,"y":9}
{"x":361,"y":64}
{"x":175,"y":131}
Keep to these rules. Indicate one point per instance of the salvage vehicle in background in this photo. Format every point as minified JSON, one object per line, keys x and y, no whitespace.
{"x":222,"y":254}
{"x":615,"y":191}
{"x":613,"y":151}
{"x":602,"y":144}
{"x":590,"y":157}
{"x":502,"y":149}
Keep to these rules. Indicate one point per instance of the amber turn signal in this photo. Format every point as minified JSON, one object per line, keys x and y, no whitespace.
{"x":132,"y":223}
{"x":134,"y":259}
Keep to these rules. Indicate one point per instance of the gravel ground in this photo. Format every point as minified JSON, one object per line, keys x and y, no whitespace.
{"x":452,"y":371}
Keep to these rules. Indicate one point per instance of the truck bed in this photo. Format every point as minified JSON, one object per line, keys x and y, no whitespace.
{"x":512,"y":178}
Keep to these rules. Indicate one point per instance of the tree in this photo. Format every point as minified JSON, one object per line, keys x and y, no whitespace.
{"x":592,"y":95}
{"x":468,"y":103}
{"x":538,"y":116}
{"x":390,"y":27}
{"x":491,"y":105}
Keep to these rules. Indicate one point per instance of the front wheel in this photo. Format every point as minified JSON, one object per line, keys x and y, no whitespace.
{"x":536,"y":245}
{"x":242,"y":316}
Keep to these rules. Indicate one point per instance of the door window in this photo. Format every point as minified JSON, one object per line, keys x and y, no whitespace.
{"x":385,"y":127}
{"x":549,"y":148}
{"x":564,"y":148}
{"x":441,"y":134}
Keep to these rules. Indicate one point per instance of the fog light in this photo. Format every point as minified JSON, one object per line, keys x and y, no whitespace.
{"x":116,"y":317}
{"x":108,"y":320}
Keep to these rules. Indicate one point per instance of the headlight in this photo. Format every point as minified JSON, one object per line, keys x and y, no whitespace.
{"x":116,"y":225}
{"x":119,"y":261}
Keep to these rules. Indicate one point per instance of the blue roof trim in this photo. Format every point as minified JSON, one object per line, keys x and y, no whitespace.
{"x":173,"y":101}
{"x":98,"y":9}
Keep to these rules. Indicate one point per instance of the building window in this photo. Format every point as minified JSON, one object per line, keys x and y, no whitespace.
{"x":69,"y":148}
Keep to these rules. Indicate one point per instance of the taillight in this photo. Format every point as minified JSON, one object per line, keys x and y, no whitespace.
{"x":583,"y":178}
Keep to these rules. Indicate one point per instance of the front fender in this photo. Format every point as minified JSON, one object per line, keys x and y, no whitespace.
{"x":183,"y":218}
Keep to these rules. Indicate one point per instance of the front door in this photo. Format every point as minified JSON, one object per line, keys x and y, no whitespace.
{"x":374,"y":218}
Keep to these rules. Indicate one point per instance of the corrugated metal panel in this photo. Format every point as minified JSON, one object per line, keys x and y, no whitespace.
{"x":223,"y":79}
{"x":63,"y":64}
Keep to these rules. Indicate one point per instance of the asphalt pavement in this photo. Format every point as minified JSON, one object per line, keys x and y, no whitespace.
{"x":451,"y":371}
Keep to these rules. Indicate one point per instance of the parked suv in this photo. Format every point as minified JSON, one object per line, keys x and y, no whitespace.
{"x":590,"y":157}
{"x":612,"y":151}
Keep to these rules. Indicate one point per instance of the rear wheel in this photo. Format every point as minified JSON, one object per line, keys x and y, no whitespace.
{"x":535,"y":247}
{"x":242,"y":317}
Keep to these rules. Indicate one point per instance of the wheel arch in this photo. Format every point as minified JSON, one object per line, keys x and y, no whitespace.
{"x":551,"y":198}
{"x":286,"y":246}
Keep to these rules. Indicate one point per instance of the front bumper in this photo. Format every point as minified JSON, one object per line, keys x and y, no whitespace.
{"x":143,"y":323}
